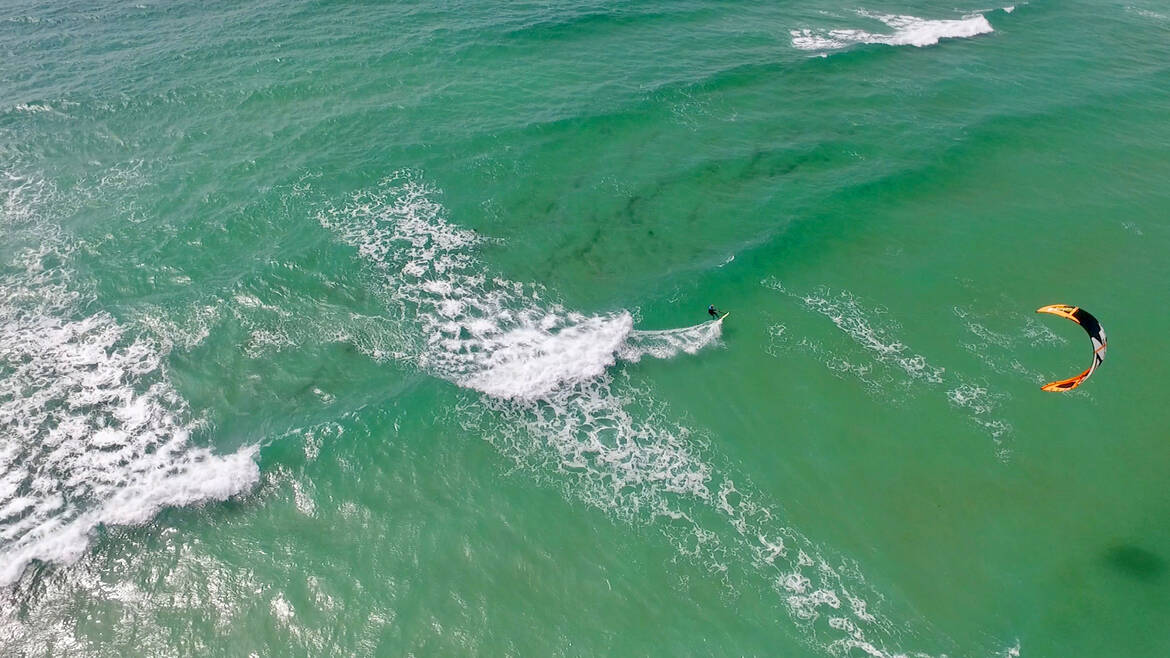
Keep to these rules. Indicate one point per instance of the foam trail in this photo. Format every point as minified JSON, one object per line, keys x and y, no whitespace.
{"x":668,"y":343}
{"x":91,"y":430}
{"x":531,"y":361}
{"x":539,"y":385}
{"x":908,"y":31}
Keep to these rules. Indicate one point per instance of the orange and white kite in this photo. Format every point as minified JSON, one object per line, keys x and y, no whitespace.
{"x":1096,"y":334}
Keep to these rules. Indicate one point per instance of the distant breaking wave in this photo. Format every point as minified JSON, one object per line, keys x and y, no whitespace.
{"x":908,"y":31}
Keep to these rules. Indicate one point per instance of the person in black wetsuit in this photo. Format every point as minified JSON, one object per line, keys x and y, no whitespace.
{"x":713,"y":312}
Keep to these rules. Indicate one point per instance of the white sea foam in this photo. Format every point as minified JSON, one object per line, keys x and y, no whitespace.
{"x":32,"y":108}
{"x":1146,"y":13}
{"x":858,"y":323}
{"x":908,"y":31}
{"x":1000,"y":349}
{"x":542,"y":387}
{"x":91,"y":430}
{"x":529,"y":361}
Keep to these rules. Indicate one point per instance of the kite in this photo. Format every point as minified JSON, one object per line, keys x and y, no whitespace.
{"x":1096,"y":335}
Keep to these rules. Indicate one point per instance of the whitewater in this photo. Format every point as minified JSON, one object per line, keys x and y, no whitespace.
{"x":907,"y":31}
{"x":92,"y":431}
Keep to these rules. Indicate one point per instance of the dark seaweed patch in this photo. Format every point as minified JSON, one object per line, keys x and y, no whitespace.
{"x":1136,"y":561}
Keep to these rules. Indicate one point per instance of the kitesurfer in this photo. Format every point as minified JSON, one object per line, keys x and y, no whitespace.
{"x":713,"y":312}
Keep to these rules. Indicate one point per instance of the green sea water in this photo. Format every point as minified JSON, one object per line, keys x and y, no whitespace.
{"x":378,"y":329}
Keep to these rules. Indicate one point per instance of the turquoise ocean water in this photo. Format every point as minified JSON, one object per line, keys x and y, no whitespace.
{"x":379,"y":328}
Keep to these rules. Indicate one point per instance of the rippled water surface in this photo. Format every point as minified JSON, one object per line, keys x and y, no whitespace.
{"x":380,"y":329}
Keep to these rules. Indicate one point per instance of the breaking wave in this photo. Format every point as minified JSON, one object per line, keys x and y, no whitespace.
{"x":91,"y":430}
{"x":907,"y":31}
{"x":499,"y":337}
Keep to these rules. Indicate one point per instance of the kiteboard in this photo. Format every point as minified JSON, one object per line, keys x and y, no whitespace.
{"x":724,"y":315}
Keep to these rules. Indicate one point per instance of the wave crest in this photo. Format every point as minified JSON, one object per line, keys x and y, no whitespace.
{"x":908,"y":31}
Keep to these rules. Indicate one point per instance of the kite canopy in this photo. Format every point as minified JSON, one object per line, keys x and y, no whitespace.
{"x":1096,"y":334}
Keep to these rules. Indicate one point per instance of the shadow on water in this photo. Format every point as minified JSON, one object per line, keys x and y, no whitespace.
{"x":1135,"y":562}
